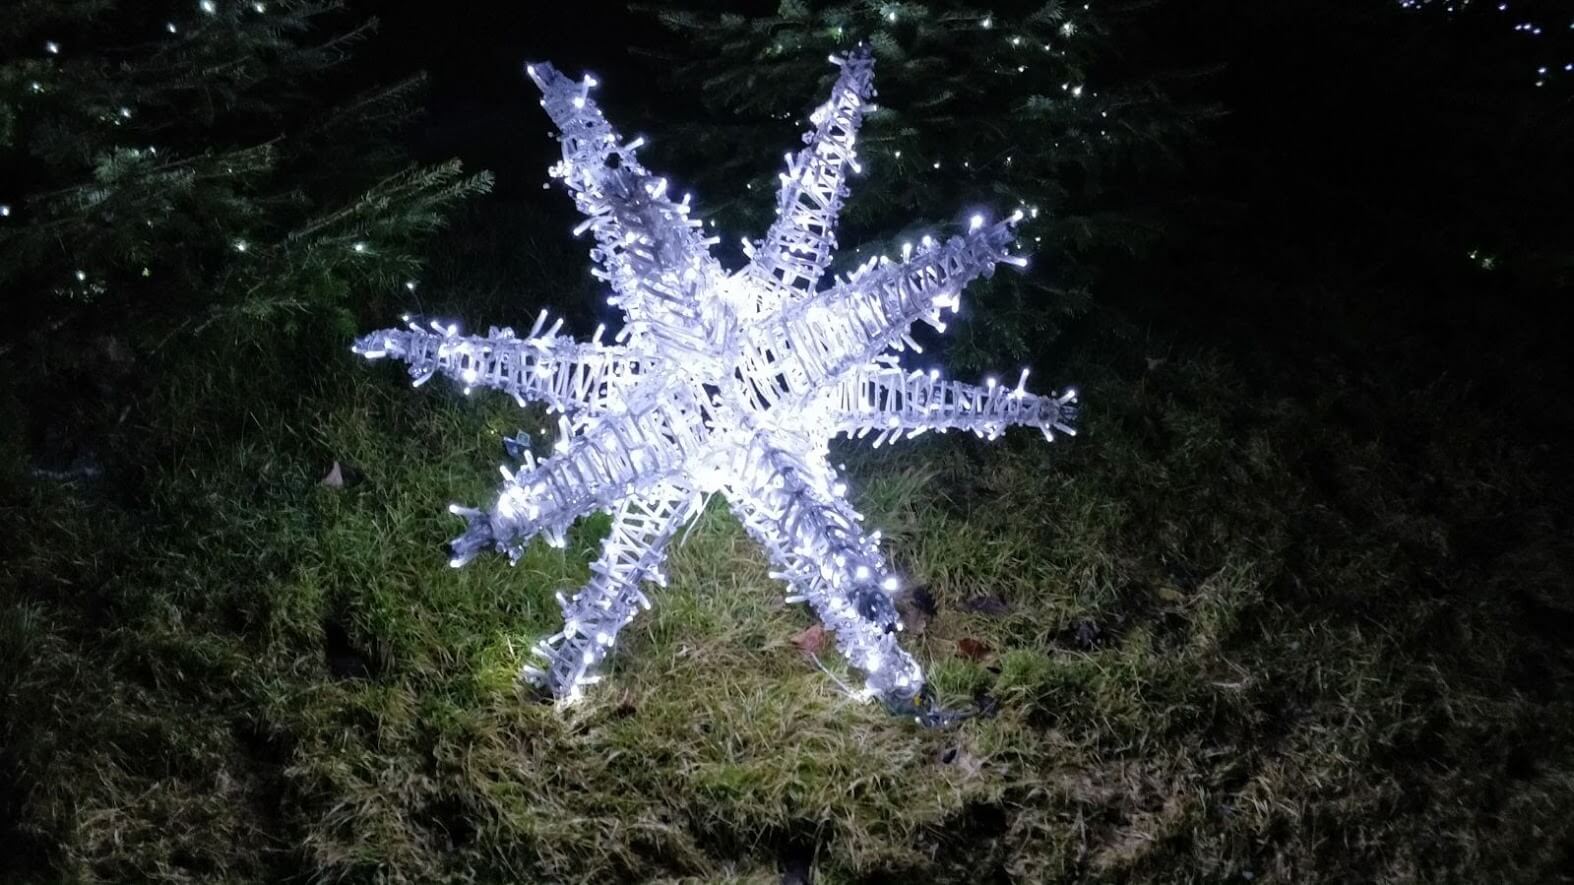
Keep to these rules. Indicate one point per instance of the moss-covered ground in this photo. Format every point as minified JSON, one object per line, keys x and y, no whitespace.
{"x":1298,"y":623}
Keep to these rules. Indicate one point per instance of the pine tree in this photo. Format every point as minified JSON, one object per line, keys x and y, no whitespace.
{"x":1006,"y":106}
{"x":207,"y":169}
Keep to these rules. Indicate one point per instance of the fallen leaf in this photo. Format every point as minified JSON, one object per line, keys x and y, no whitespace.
{"x":626,"y":706}
{"x":988,"y":604}
{"x":1087,"y":634}
{"x":335,"y":477}
{"x":812,"y":640}
{"x":916,"y":607}
{"x":973,"y":649}
{"x":985,"y":704}
{"x":1170,"y":594}
{"x":961,"y":760}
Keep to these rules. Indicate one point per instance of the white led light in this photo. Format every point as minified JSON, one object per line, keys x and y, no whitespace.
{"x":691,"y":397}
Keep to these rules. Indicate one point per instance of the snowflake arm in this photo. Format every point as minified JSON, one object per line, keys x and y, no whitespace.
{"x":893,"y":403}
{"x":797,"y":510}
{"x":642,"y":526}
{"x":591,"y":471}
{"x":798,"y":352}
{"x":580,"y":380}
{"x":796,"y":251}
{"x":650,"y":251}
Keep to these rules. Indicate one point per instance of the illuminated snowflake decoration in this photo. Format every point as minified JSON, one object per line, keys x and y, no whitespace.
{"x":729,"y":382}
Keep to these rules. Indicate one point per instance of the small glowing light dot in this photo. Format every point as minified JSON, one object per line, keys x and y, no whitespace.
{"x":170,"y":26}
{"x":208,"y":6}
{"x":241,"y":246}
{"x":81,"y":276}
{"x":5,"y":210}
{"x":410,"y":284}
{"x":52,"y":47}
{"x":359,"y":247}
{"x":976,"y":222}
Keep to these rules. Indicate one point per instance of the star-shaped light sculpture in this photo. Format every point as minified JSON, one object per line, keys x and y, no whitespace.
{"x":730,"y":382}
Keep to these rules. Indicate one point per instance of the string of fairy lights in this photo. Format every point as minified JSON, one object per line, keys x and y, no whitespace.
{"x":1539,"y":27}
{"x":1020,"y":39}
{"x":892,"y":14}
{"x":82,"y":283}
{"x":727,"y":383}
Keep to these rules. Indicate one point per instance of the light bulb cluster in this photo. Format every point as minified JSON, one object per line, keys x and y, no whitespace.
{"x":729,"y":382}
{"x":1524,"y":23}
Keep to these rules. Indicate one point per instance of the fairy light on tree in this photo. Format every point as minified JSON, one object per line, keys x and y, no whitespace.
{"x":155,"y":210}
{"x":725,"y":382}
{"x":1545,"y":26}
{"x":964,"y":80}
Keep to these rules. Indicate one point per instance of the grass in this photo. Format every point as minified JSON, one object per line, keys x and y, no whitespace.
{"x":1237,"y":632}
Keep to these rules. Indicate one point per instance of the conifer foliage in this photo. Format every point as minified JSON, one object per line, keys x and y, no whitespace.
{"x":172,"y":165}
{"x":1003,"y":105}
